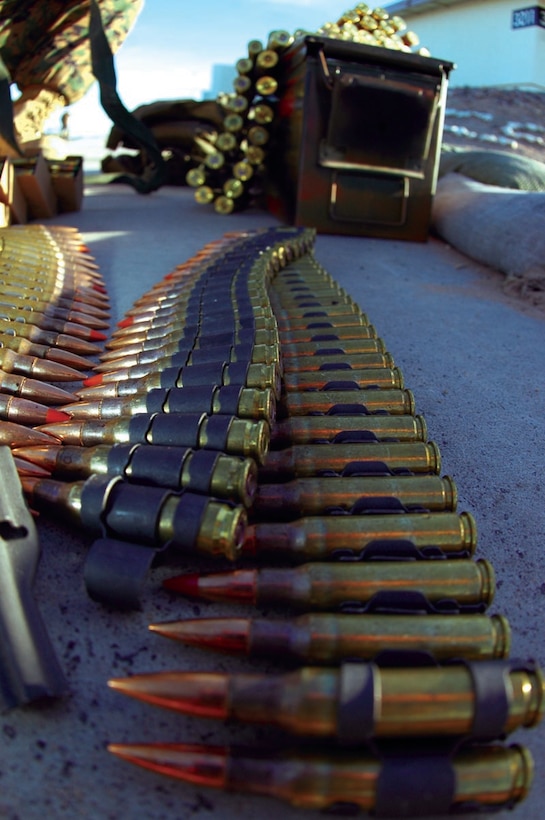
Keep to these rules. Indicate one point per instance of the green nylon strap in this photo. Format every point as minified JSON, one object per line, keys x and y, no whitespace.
{"x":7,"y":133}
{"x":154,"y":174}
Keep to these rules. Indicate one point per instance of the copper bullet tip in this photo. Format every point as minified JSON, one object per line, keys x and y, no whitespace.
{"x":224,"y":634}
{"x":205,"y":765}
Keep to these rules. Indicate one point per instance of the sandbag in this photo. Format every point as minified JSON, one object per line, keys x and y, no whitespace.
{"x":499,"y":168}
{"x":499,"y":227}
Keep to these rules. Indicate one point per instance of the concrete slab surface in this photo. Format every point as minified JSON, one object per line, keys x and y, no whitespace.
{"x":475,"y":361}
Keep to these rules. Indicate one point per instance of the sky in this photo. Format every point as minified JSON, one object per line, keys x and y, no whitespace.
{"x":170,"y":51}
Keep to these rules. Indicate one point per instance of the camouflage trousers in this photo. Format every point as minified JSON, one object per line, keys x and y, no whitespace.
{"x":45,"y":43}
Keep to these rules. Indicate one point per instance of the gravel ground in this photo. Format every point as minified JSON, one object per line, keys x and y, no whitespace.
{"x":502,"y":119}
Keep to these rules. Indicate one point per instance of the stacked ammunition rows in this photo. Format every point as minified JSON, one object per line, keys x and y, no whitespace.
{"x":53,"y":311}
{"x":234,"y":161}
{"x":246,"y":409}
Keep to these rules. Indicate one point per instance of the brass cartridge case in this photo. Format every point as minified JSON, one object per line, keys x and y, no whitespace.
{"x":266,"y":85}
{"x":299,"y":275}
{"x":306,"y":402}
{"x":365,"y":344}
{"x":221,"y":530}
{"x":344,"y":361}
{"x":323,"y":537}
{"x":266,"y":60}
{"x":321,"y":319}
{"x":325,"y":331}
{"x":284,"y":293}
{"x":305,"y":460}
{"x":153,"y":516}
{"x":245,"y":65}
{"x":254,"y":47}
{"x":360,"y":377}
{"x":325,"y":428}
{"x":279,"y":39}
{"x":196,"y":177}
{"x":233,"y":188}
{"x":205,"y":193}
{"x":227,"y":141}
{"x":262,"y":114}
{"x":316,"y":496}
{"x":258,"y":135}
{"x":324,"y":301}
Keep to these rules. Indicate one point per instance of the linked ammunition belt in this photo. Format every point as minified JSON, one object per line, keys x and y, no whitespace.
{"x":230,"y":165}
{"x":246,"y":409}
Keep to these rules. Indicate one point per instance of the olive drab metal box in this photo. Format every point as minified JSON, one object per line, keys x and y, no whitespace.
{"x":356,"y":148}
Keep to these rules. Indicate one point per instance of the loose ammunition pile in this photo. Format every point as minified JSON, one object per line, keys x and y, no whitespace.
{"x":245,"y":408}
{"x":233,"y":162}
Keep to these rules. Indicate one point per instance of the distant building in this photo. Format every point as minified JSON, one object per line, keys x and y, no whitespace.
{"x":492,"y":42}
{"x":222,"y":80}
